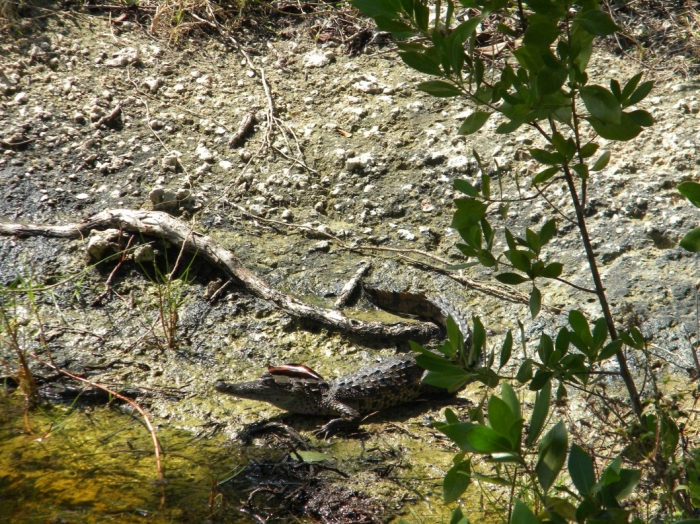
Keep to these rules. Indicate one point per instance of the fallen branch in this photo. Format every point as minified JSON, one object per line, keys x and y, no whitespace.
{"x":161,"y":225}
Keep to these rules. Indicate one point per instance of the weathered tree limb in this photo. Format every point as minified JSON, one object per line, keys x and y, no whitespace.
{"x":161,"y":225}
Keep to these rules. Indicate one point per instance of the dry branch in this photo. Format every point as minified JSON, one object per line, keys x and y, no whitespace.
{"x":161,"y":225}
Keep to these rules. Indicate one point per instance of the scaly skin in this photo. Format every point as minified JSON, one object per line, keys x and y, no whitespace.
{"x":389,"y":383}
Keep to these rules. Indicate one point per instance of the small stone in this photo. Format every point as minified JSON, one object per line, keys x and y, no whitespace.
{"x":101,"y":243}
{"x":317,"y":59}
{"x":405,"y":234}
{"x":144,"y":253}
{"x":321,"y":245}
{"x":153,"y":84}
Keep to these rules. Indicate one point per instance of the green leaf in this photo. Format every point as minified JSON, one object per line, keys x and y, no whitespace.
{"x":469,"y":213}
{"x":535,"y":301}
{"x":545,"y":157}
{"x":539,"y":413}
{"x":601,"y":104}
{"x":510,"y":398}
{"x":626,"y":130}
{"x":523,"y":515}
{"x":396,"y":27}
{"x":451,"y":379}
{"x":565,"y":147}
{"x":450,"y":417}
{"x":544,"y":176}
{"x":508,"y":127}
{"x":669,"y":437}
{"x":552,"y":455}
{"x":473,"y":122}
{"x":439,"y":89}
{"x":596,"y":22}
{"x":615,"y":89}
{"x":506,"y":350}
{"x":479,"y":70}
{"x":641,"y":117}
{"x":485,"y":185}
{"x":456,"y":481}
{"x":524,"y":372}
{"x":533,"y":240}
{"x":540,"y":379}
{"x":609,"y":350}
{"x":631,"y":86}
{"x":602,"y":161}
{"x":581,"y":170}
{"x":465,"y":187}
{"x":421,"y":15}
{"x":454,"y":335}
{"x":311,"y":456}
{"x":374,"y":8}
{"x":478,"y":339}
{"x":421,"y":62}
{"x":519,"y":259}
{"x":640,"y":93}
{"x":512,"y":279}
{"x":458,"y":517}
{"x":552,"y":270}
{"x":589,"y":150}
{"x":580,"y":326}
{"x":501,"y":418}
{"x":475,"y":438}
{"x":549,"y":228}
{"x":691,"y":191}
{"x":581,"y":470}
{"x":550,"y":80}
{"x":691,"y":241}
{"x":600,"y":333}
{"x":541,"y":33}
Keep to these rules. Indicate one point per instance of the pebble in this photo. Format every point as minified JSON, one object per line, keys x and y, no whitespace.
{"x":318,"y":58}
{"x":405,"y":234}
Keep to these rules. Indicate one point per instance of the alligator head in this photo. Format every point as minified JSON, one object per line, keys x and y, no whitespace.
{"x":292,"y":387}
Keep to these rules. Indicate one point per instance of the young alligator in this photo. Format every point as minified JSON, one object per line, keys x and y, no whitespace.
{"x":298,"y":389}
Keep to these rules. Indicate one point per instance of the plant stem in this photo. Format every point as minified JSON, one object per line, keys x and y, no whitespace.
{"x":600,"y":292}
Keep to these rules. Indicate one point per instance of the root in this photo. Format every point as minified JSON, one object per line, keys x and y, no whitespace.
{"x":161,"y":225}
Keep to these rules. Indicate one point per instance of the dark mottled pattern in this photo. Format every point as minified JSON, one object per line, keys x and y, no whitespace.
{"x":391,"y":382}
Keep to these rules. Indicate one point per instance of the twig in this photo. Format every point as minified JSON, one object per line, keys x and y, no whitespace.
{"x":243,"y":129}
{"x":499,"y":291}
{"x":351,"y":286}
{"x":108,"y":117}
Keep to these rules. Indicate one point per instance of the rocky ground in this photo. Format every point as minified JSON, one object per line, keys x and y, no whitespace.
{"x":97,"y":114}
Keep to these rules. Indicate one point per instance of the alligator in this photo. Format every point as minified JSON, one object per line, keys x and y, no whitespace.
{"x":299,"y":389}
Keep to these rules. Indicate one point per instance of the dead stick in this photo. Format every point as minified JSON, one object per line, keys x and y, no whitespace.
{"x":351,"y":286}
{"x":243,"y":129}
{"x":161,"y":225}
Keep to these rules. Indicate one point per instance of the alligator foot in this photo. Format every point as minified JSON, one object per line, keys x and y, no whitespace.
{"x":335,"y":426}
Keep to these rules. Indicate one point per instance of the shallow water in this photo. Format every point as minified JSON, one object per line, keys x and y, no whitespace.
{"x":87,"y":464}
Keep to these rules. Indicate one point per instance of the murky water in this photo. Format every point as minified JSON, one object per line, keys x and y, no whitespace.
{"x":78,"y":464}
{"x":62,"y":463}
